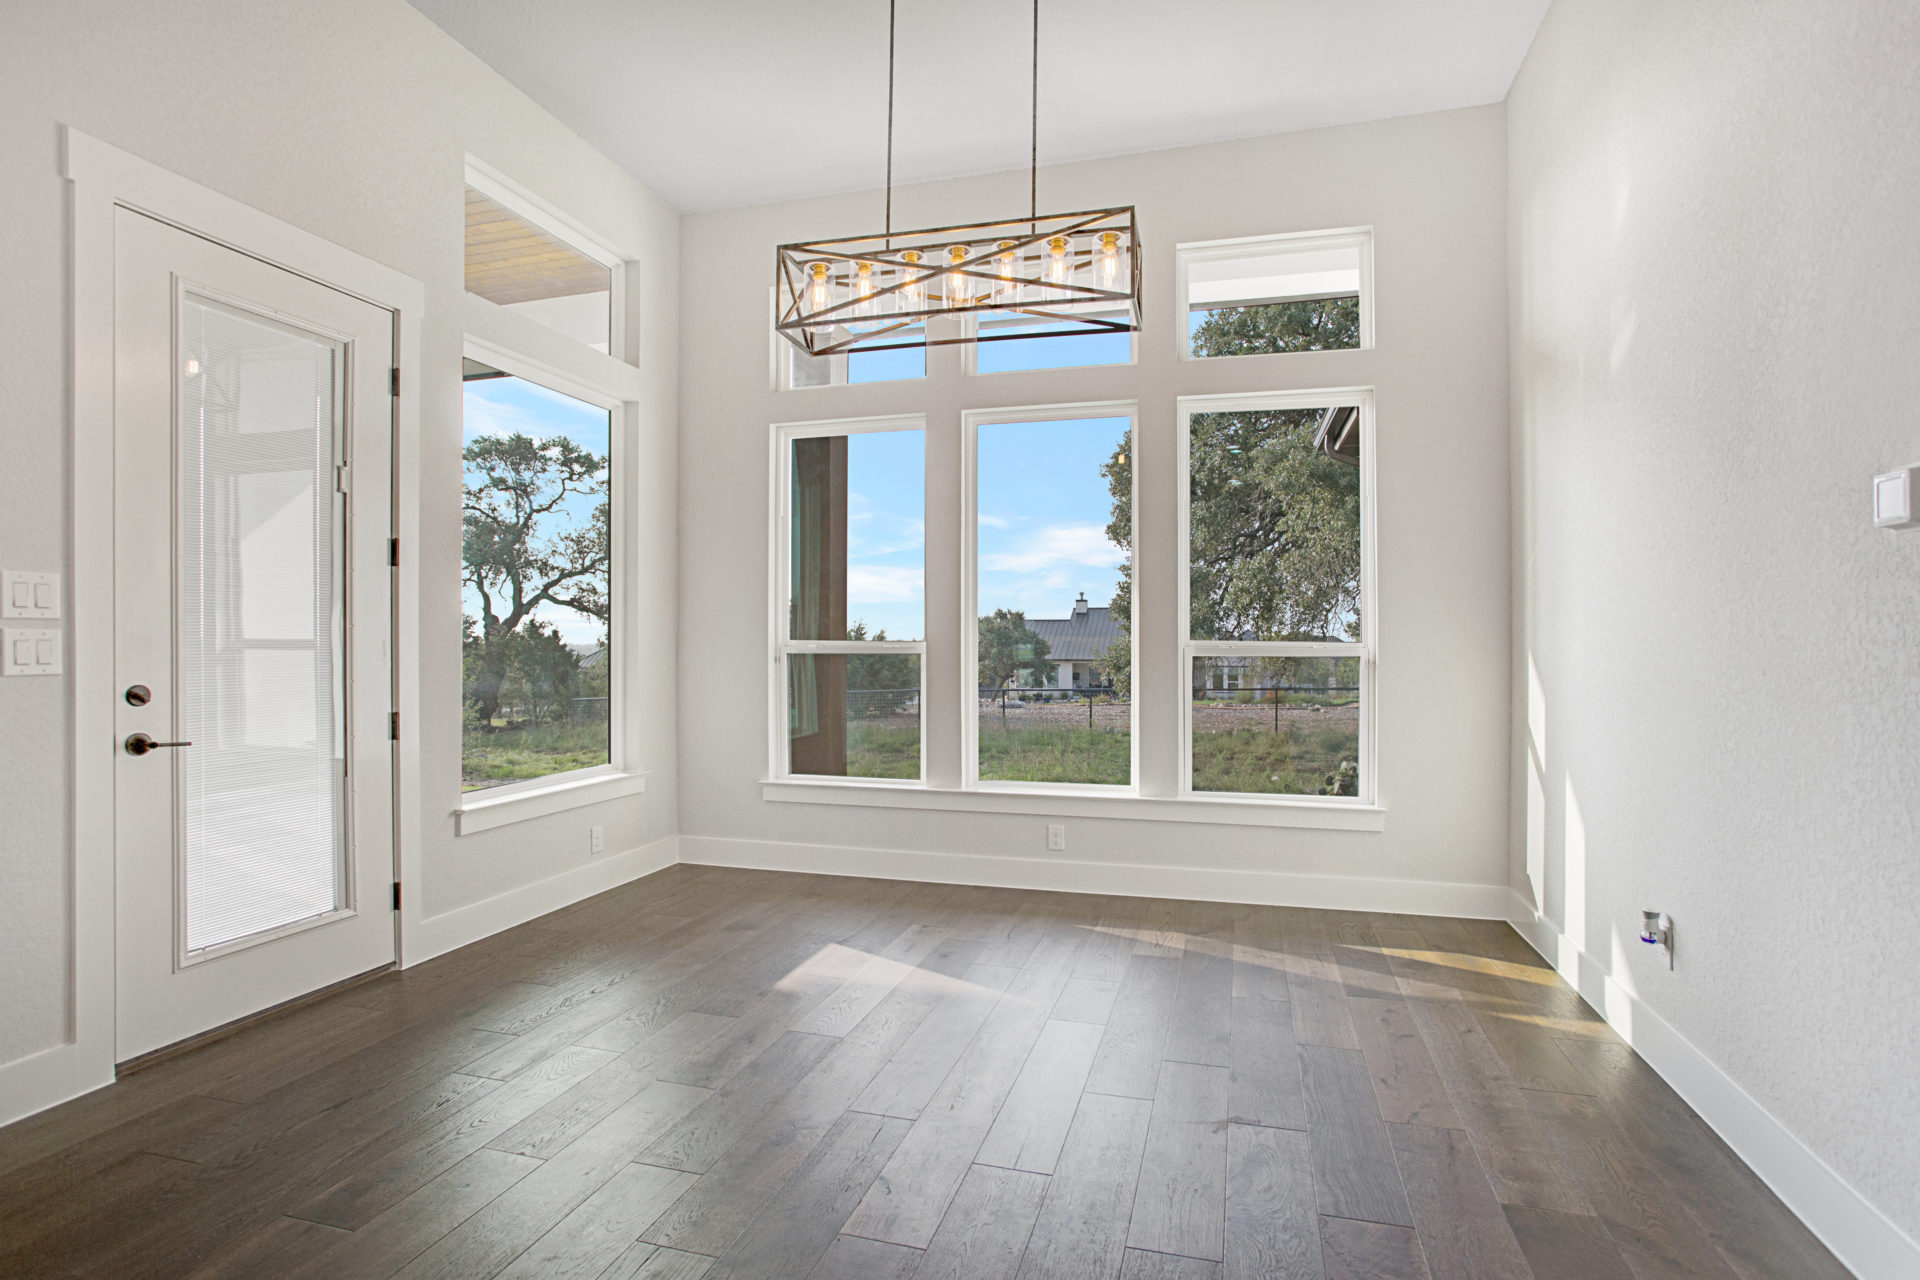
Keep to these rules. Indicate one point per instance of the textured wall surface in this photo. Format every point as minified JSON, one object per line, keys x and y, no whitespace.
{"x":1433,"y":189}
{"x":351,"y":120}
{"x":1716,"y":345}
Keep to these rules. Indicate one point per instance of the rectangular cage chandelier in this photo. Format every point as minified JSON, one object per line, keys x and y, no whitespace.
{"x":1068,"y":272}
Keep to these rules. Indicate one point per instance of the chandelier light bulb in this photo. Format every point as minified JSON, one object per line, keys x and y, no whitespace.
{"x":819,"y":292}
{"x":957,"y":292}
{"x":913,"y":294}
{"x":1057,"y":260}
{"x":863,"y":288}
{"x":1109,"y":259}
{"x":1009,"y":290}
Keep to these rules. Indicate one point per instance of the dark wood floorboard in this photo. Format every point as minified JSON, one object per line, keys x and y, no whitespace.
{"x":714,"y":1074}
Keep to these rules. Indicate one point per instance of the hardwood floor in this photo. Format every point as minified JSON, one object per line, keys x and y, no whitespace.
{"x":726,"y":1075}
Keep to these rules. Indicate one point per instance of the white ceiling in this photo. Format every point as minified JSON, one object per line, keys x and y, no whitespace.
{"x":720,"y":103}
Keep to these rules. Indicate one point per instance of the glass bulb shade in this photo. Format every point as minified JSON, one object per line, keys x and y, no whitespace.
{"x":959,"y":291}
{"x":1057,"y":263}
{"x":863,"y":287}
{"x":819,"y":289}
{"x":1109,"y":259}
{"x":1008,"y":289}
{"x":913,"y":294}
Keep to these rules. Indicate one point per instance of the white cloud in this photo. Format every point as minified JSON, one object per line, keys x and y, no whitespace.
{"x":872,"y":583}
{"x":1071,"y":544}
{"x":995,"y":522}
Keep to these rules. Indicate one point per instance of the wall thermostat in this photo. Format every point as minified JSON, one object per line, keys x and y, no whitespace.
{"x":1894,"y":495}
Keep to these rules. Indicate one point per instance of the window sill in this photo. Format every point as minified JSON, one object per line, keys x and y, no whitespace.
{"x":1085,"y":803}
{"x":485,"y":810}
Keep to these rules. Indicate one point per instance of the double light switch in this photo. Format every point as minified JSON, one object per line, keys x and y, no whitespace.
{"x":29,"y":595}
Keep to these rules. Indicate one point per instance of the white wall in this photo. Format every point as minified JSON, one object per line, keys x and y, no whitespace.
{"x":351,"y":120}
{"x":1716,"y":344}
{"x":1433,"y":189}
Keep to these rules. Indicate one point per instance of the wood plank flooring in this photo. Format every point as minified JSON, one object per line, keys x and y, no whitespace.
{"x":713,"y":1074}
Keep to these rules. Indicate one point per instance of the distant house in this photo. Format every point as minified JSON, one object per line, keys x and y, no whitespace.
{"x":1076,"y":643}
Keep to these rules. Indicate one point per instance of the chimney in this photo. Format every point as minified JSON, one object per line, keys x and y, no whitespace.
{"x":1080,"y":606}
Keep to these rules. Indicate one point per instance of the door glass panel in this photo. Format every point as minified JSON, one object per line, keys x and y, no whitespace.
{"x":260,"y":620}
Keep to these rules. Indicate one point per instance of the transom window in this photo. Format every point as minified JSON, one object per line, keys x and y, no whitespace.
{"x":1270,"y":295}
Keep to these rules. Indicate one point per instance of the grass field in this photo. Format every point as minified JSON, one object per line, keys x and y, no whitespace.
{"x":1294,"y":761}
{"x":515,"y":755}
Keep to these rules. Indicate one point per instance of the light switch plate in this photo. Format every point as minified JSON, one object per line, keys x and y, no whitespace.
{"x":1896,"y":495}
{"x":29,"y":595}
{"x":30,"y":651}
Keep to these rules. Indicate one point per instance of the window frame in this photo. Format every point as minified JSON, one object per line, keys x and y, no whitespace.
{"x":555,"y":792}
{"x":970,"y":354}
{"x":971,"y":421}
{"x":1185,"y":255}
{"x":781,"y":645}
{"x":781,"y":354}
{"x":497,"y":186}
{"x":1365,"y":648}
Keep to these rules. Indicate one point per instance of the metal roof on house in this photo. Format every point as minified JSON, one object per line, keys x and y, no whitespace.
{"x":1079,"y":638}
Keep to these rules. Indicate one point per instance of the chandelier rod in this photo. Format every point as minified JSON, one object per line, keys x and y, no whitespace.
{"x":890,"y":7}
{"x":1033,"y":179}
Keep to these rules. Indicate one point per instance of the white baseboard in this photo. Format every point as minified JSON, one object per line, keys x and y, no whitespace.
{"x":1866,"y":1240}
{"x":46,"y":1079}
{"x":1208,"y":884}
{"x":454,"y":929}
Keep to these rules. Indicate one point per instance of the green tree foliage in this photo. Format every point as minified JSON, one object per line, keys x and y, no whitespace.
{"x":523,"y":547}
{"x":1276,"y":549}
{"x":1327,"y":324}
{"x":885,"y":681}
{"x":1010,"y":650}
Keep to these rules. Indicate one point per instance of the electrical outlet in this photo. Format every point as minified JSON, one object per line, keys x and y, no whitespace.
{"x":1056,"y":837}
{"x":596,"y":839}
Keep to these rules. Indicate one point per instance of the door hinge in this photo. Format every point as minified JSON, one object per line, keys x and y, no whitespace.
{"x":393,"y":552}
{"x":393,"y":380}
{"x":393,"y":725}
{"x":342,"y":478}
{"x":396,"y":895}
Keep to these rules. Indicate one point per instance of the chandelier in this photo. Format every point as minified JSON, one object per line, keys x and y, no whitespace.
{"x":1065,"y":272}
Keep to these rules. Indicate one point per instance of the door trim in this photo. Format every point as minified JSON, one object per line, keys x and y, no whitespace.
{"x":104,"y":178}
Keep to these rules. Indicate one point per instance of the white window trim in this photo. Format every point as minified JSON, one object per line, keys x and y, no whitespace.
{"x":1365,"y":648}
{"x":780,"y":644}
{"x":1184,"y":255}
{"x":970,"y":423}
{"x":493,"y":807}
{"x":497,"y":186}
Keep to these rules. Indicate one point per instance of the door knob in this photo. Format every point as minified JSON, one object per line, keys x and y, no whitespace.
{"x":139,"y":744}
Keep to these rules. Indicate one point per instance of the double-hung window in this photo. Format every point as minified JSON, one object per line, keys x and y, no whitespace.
{"x":1276,"y":498}
{"x":548,"y":431}
{"x":849,"y":608}
{"x":1049,"y":668}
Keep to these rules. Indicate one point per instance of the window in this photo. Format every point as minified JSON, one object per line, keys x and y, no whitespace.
{"x":1274,"y":294}
{"x":1051,"y":589}
{"x":538,"y":591}
{"x":856,"y":364}
{"x":1276,"y":587}
{"x":1045,"y":344}
{"x":531,"y":261}
{"x":851,"y":619}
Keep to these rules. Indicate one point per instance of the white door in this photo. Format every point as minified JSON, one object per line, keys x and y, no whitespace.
{"x":252,"y":620}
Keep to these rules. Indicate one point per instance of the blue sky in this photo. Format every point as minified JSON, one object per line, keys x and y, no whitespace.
{"x":1043,"y":515}
{"x":502,"y":406}
{"x":887,"y":532}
